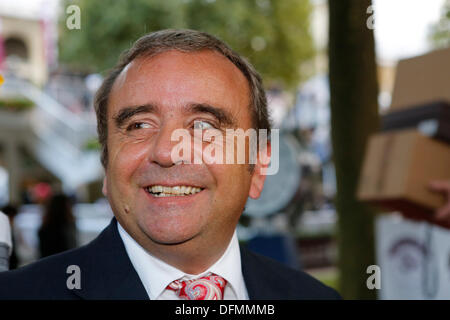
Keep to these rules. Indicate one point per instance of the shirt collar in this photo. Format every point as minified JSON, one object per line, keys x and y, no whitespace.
{"x":156,"y":275}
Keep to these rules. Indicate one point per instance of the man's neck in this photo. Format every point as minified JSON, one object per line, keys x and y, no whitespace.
{"x":193,"y":256}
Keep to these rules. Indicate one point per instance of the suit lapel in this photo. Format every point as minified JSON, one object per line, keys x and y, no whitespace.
{"x":106,"y":270}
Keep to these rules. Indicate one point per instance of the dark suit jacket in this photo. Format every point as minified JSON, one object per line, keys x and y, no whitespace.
{"x":107,"y":273}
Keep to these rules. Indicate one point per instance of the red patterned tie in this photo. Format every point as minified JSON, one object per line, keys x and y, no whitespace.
{"x":205,"y":288}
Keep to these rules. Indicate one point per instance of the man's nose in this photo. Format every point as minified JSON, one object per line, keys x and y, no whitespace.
{"x":161,"y":153}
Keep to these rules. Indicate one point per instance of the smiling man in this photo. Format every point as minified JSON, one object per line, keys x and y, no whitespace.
{"x":173,"y":235}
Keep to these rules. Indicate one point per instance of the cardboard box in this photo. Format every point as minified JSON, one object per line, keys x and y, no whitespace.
{"x":397,"y":168}
{"x":422,"y":79}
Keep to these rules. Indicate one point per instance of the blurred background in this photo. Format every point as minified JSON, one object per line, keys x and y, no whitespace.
{"x":55,"y":53}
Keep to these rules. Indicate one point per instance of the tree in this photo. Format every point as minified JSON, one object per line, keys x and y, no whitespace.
{"x":440,"y":35}
{"x":109,"y":27}
{"x":354,"y":116}
{"x":273,"y":34}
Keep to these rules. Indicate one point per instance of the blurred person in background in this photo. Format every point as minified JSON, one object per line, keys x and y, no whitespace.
{"x":58,"y":231}
{"x":5,"y":242}
{"x":11,"y":211}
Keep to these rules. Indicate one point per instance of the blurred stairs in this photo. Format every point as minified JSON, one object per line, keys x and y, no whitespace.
{"x":55,"y":136}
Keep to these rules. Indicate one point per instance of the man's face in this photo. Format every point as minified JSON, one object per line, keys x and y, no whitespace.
{"x":150,"y":99}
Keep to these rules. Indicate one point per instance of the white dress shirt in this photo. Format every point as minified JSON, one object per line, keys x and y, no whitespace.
{"x":156,"y":275}
{"x":5,"y":242}
{"x":5,"y":231}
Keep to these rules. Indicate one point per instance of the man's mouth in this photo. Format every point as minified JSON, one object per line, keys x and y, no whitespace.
{"x":163,"y":191}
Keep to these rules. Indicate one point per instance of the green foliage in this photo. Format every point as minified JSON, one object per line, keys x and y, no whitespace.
{"x":108,"y":27}
{"x":16,"y":104}
{"x":440,"y":35}
{"x":92,"y":145}
{"x":272,"y":34}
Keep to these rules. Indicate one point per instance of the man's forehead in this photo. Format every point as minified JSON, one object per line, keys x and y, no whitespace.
{"x":172,"y":80}
{"x":207,"y":63}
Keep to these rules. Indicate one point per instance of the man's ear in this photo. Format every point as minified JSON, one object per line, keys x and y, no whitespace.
{"x":104,"y":188}
{"x":259,"y":171}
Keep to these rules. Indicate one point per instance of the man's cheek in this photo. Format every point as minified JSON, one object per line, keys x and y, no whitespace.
{"x":123,"y":162}
{"x":129,"y":156}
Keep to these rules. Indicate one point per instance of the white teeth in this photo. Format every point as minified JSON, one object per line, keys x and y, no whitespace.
{"x":162,"y":191}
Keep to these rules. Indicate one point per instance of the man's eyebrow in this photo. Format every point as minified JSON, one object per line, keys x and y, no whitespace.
{"x":126,"y":113}
{"x":223,"y":116}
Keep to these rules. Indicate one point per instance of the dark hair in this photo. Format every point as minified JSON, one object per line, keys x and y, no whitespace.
{"x":58,"y":212}
{"x":10,"y":210}
{"x":183,"y":40}
{"x":58,"y":231}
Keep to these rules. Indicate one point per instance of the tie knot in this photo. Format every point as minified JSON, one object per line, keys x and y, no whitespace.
{"x":205,"y":288}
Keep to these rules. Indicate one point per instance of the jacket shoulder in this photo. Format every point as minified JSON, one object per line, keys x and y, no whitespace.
{"x":270,"y":279}
{"x":45,"y":278}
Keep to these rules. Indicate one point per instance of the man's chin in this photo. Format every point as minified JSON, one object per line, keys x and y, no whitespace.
{"x":172,"y":241}
{"x":169,"y":237}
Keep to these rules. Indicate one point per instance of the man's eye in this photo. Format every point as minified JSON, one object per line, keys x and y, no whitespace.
{"x":138,"y":125}
{"x":203,"y":125}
